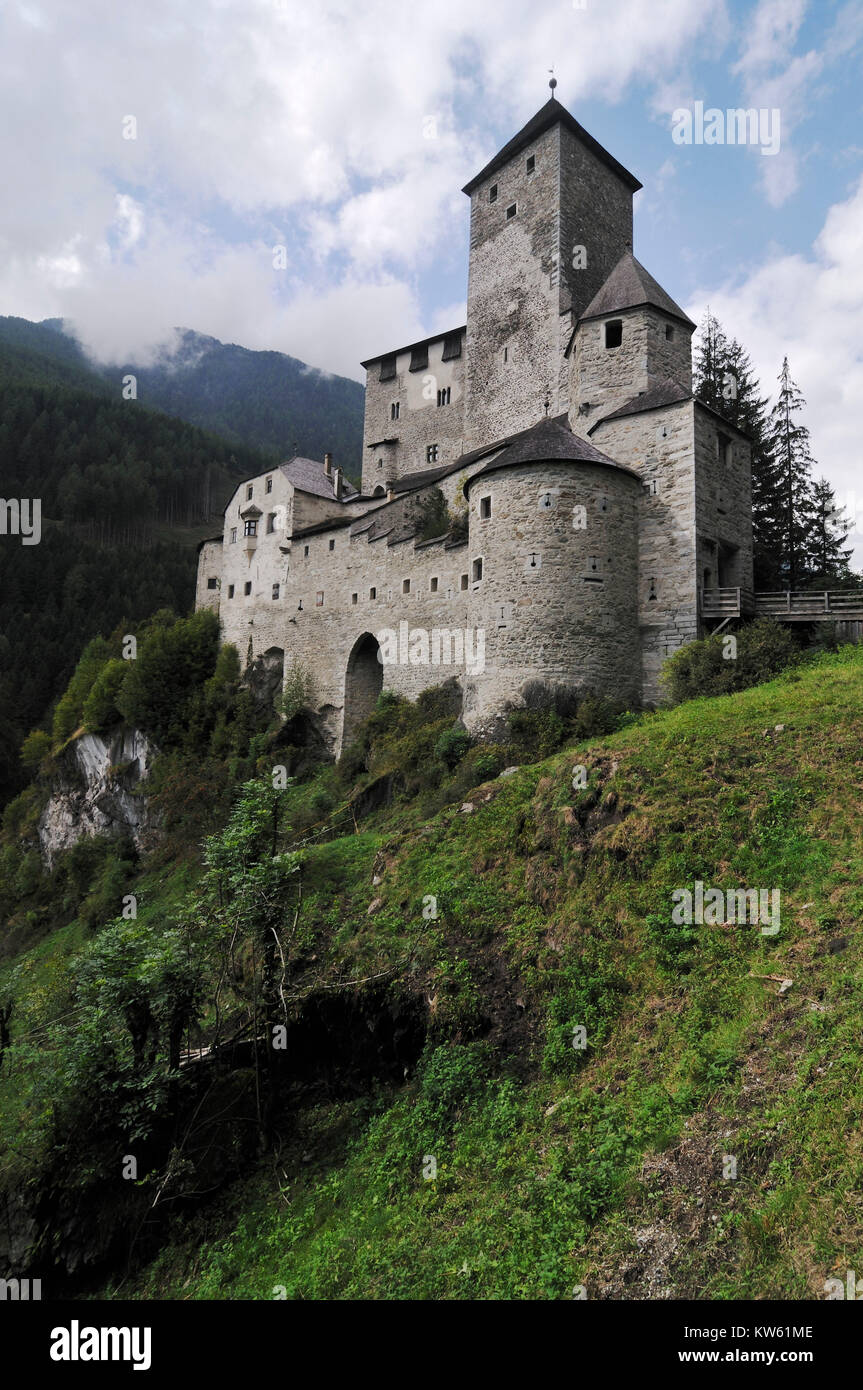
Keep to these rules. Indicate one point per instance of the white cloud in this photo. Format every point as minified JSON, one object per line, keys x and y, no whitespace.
{"x":253,"y":114}
{"x":810,"y":307}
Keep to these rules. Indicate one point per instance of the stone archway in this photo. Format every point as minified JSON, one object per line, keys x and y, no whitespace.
{"x":364,"y":680}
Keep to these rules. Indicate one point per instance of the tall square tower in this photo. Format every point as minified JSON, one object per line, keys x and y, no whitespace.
{"x":551,"y":215}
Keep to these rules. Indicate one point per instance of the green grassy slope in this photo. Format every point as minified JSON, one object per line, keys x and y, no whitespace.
{"x":602,"y":1168}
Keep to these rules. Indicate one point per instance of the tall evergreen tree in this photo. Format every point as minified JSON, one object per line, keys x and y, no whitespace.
{"x":828,"y":560}
{"x":791,"y":482}
{"x":710,"y":362}
{"x":725,"y":380}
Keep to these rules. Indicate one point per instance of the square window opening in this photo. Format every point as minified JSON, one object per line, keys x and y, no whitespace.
{"x":614,"y":333}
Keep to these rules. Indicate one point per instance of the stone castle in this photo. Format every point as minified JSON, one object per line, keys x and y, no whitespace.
{"x":602,"y":498}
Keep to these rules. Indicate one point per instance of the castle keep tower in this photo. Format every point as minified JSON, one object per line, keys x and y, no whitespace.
{"x":550,"y":216}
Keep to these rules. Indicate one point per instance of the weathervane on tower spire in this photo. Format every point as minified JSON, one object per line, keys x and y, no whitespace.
{"x":552,"y":84}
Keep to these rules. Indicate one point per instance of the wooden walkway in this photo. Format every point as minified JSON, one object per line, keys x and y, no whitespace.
{"x":785,"y":606}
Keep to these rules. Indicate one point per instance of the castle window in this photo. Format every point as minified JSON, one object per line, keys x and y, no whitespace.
{"x":723,"y":449}
{"x":332,"y":545}
{"x":443,"y":395}
{"x":379,"y":491}
{"x":275,"y":591}
{"x":511,"y":211}
{"x":271,"y":523}
{"x":531,"y":164}
{"x":230,"y":591}
{"x":305,"y":552}
{"x":249,"y":491}
{"x":355,"y":598}
{"x":233,"y":535}
{"x":251,"y":526}
{"x":319,"y":599}
{"x":247,"y":587}
{"x":669,"y":333}
{"x":492,"y":193}
{"x":476,"y":571}
{"x":484,"y":508}
{"x":603,"y":506}
{"x":431,"y":453}
{"x":433,"y":584}
{"x":380,"y":463}
{"x":373,"y":593}
{"x":394,"y":413}
{"x":651,"y":590}
{"x":614,"y":333}
{"x":212,"y":583}
{"x":269,"y":485}
{"x":419,"y":358}
{"x":463,"y":584}
{"x":506,"y":354}
{"x":406,"y":586}
{"x":388,"y":368}
{"x":451,"y":347}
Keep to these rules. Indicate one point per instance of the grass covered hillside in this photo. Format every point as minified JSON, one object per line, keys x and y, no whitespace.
{"x":436,"y":1125}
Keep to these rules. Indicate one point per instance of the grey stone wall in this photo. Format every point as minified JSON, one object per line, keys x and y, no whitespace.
{"x":421,"y":422}
{"x":558,"y":600}
{"x":659,"y":445}
{"x":603,"y":379}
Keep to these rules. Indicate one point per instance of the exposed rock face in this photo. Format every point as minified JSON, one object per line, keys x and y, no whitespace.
{"x":97,"y":792}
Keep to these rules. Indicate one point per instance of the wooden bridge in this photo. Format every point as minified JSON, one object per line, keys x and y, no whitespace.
{"x":785,"y":605}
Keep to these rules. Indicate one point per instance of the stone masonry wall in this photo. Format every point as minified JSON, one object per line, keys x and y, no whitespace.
{"x":558,"y":601}
{"x":606,"y":378}
{"x":659,"y":445}
{"x":421,"y":421}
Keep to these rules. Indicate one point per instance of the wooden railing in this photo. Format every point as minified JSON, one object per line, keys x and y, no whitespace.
{"x":786,"y":605}
{"x":812,"y":605}
{"x":726,"y":603}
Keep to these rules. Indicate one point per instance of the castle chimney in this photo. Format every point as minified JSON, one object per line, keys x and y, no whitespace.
{"x":328,"y":465}
{"x":337,"y":482}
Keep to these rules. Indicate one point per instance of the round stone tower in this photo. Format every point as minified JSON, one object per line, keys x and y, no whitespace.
{"x":553,"y":571}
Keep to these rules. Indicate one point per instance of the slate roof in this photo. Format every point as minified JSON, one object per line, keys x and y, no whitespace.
{"x":629,"y":286}
{"x":550,"y":440}
{"x":307,"y":475}
{"x":410,"y":347}
{"x":667,"y":392}
{"x":546,"y":117}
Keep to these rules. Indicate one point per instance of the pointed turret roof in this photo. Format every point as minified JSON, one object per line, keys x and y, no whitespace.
{"x":546,"y":117}
{"x":629,"y":286}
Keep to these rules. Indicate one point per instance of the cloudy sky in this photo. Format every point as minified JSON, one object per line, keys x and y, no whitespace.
{"x":344,"y":133}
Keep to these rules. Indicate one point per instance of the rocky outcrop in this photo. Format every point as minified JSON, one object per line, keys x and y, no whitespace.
{"x":97,"y":791}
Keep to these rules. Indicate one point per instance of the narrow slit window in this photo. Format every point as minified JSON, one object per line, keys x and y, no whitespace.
{"x":484,"y":508}
{"x":230,"y":591}
{"x":464,"y":581}
{"x":492,"y":193}
{"x":511,"y":211}
{"x":247,"y":587}
{"x":433,"y":584}
{"x":531,"y":164}
{"x":477,"y":571}
{"x":373,"y":593}
{"x":406,"y":586}
{"x":275,"y":591}
{"x":319,"y":599}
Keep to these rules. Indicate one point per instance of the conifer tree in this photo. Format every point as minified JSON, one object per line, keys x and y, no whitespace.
{"x":791,"y":482}
{"x":828,"y":560}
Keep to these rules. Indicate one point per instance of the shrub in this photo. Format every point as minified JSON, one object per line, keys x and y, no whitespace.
{"x":35,"y":748}
{"x":763,"y":649}
{"x":100,"y":707}
{"x":452,"y":746}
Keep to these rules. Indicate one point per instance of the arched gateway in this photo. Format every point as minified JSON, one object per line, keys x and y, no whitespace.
{"x":364,"y":680}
